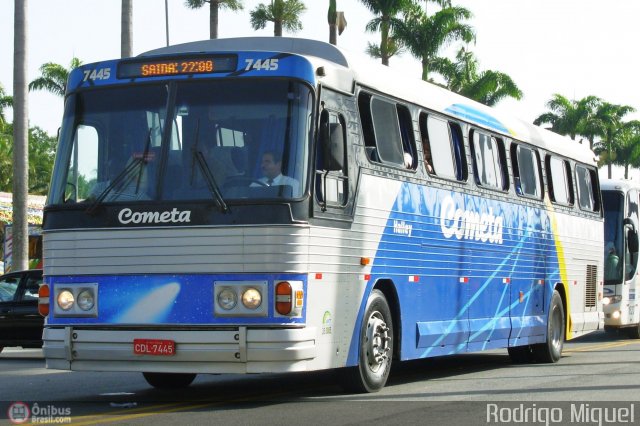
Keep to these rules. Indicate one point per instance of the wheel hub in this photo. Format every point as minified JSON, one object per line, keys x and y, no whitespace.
{"x":378,"y":341}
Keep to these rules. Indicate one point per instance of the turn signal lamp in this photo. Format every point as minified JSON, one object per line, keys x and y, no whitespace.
{"x":283,"y":298}
{"x":43,"y":300}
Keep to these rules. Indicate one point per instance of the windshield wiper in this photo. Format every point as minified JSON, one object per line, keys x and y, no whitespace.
{"x":124,"y":176}
{"x":210,"y":180}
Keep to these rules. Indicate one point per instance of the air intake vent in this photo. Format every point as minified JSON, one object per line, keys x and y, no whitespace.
{"x":591,"y":288}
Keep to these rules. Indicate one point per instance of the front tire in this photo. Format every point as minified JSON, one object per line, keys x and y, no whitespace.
{"x":375,"y":348}
{"x":169,"y":380}
{"x":551,"y":350}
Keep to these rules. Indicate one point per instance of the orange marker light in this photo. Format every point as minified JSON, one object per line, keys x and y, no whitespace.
{"x":364,"y":261}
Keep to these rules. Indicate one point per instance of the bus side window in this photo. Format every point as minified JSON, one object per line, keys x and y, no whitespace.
{"x":586,"y":180}
{"x":442,"y":148}
{"x":388,"y":131}
{"x":526,"y":171}
{"x":559,"y":180}
{"x":489,"y":161}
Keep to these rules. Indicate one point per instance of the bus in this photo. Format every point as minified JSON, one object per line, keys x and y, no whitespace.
{"x":620,"y":200}
{"x":269,"y":205}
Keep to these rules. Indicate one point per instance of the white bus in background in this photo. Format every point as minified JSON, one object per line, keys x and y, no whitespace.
{"x":621,"y":281}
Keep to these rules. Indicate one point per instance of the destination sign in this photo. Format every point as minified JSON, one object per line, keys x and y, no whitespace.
{"x":177,"y":66}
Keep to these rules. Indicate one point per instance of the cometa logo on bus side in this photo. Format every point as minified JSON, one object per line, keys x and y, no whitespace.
{"x":127,"y":216}
{"x":469,"y":224}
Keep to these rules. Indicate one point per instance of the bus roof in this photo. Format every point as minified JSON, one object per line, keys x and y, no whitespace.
{"x":343,"y":69}
{"x":623,"y":185}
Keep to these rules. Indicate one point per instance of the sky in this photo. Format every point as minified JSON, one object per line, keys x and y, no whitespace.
{"x":575,"y":48}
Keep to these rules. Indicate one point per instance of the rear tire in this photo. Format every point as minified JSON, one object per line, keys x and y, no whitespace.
{"x":551,"y":350}
{"x":169,"y":380}
{"x":375,"y":348}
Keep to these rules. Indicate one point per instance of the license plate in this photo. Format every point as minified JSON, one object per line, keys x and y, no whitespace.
{"x":154,"y":347}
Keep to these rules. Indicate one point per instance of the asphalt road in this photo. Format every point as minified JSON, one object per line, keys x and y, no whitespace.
{"x":599,"y":374}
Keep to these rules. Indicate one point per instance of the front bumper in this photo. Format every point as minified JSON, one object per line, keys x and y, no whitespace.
{"x":231,"y":350}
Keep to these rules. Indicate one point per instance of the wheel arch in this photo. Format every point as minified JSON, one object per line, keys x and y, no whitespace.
{"x":388,"y":289}
{"x":560,"y":288}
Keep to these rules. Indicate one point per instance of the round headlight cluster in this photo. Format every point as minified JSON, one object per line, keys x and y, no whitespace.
{"x":228,"y":298}
{"x":84,"y":299}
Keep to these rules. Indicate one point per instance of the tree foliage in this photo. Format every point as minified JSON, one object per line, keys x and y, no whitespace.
{"x":425,"y":35}
{"x":464,"y":77}
{"x":41,"y":156}
{"x":285,"y":14}
{"x":53,"y":77}
{"x":214,"y":10}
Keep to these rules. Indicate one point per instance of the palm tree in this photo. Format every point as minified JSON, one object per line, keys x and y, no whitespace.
{"x":488,"y":87}
{"x":566,"y":117}
{"x":613,"y":128}
{"x":126,"y":38}
{"x":385,"y":11}
{"x":20,"y":137}
{"x":627,"y":151}
{"x":424,"y":35}
{"x":337,"y":22}
{"x":393,"y":48}
{"x":283,"y":13}
{"x":214,"y":9}
{"x":54,"y":77}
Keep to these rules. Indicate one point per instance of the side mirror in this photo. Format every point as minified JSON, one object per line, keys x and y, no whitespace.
{"x":333,"y":146}
{"x":632,"y":235}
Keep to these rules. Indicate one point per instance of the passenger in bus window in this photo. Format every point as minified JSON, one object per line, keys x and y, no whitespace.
{"x":428,"y":161}
{"x":271,"y":167}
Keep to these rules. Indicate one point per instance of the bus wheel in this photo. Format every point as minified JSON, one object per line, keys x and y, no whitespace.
{"x":376,"y":348}
{"x":551,"y":350}
{"x":169,"y":380}
{"x":521,"y":354}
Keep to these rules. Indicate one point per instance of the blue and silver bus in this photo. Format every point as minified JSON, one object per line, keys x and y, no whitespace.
{"x":261,"y":205}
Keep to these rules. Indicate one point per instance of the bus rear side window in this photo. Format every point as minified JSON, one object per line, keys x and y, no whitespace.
{"x":586,"y":198}
{"x":489,"y":161}
{"x":560,"y":184}
{"x":526,"y":171}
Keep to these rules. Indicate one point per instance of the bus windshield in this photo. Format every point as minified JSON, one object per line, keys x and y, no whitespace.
{"x":613,"y":202}
{"x":228,"y":140}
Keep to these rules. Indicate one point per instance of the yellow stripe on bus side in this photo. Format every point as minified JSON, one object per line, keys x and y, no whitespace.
{"x":562,"y":265}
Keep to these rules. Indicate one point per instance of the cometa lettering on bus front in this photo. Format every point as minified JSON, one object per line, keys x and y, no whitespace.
{"x":127,"y":216}
{"x":469,"y":224}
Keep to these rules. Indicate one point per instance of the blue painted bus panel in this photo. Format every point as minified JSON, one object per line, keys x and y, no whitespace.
{"x":166,"y":300}
{"x":485,"y":271}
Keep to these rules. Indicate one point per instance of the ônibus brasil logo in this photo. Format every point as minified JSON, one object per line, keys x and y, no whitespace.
{"x":18,"y":413}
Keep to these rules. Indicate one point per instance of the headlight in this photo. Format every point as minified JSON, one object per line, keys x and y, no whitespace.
{"x":251,"y":298}
{"x":86,"y":300}
{"x":611,"y":299}
{"x":65,"y":300}
{"x":227,"y":299}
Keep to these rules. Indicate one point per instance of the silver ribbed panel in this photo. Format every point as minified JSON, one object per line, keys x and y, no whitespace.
{"x":237,"y":249}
